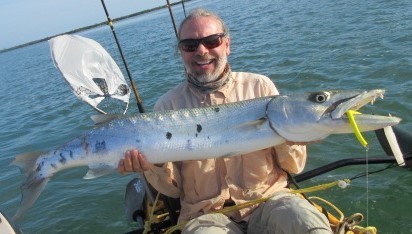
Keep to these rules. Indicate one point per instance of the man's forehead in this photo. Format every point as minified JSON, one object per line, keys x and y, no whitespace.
{"x":200,"y":26}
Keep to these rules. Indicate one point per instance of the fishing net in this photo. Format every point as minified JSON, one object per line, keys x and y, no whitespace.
{"x":91,"y":72}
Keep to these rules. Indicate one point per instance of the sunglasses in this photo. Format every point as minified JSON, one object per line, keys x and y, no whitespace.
{"x":210,"y":42}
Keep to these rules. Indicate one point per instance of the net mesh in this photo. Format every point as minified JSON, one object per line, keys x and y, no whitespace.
{"x":91,"y":72}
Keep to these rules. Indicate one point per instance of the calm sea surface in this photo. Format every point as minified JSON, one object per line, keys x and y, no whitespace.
{"x":300,"y":45}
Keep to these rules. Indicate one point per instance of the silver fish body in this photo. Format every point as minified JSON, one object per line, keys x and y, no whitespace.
{"x":200,"y":133}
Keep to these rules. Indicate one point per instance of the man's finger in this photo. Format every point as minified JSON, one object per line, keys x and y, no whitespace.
{"x":128,"y":165}
{"x":120,"y":167}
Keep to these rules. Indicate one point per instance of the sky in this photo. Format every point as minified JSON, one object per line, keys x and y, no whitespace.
{"x":24,"y":21}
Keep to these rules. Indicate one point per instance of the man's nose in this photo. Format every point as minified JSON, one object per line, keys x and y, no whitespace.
{"x":201,"y":49}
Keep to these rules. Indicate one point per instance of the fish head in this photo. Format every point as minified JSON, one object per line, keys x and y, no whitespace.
{"x":313,"y":116}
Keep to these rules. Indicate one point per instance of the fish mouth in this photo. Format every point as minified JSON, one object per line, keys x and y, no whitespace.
{"x":355,"y":102}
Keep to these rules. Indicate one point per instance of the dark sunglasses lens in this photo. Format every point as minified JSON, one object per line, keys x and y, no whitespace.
{"x":212,"y":42}
{"x":189,"y":45}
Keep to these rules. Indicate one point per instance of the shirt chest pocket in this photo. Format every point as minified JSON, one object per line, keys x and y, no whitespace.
{"x":258,"y":169}
{"x":200,"y":180}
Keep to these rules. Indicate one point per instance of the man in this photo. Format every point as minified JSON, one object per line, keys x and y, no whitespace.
{"x":209,"y":185}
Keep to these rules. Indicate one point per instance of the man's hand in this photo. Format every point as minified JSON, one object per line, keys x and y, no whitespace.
{"x":133,"y":161}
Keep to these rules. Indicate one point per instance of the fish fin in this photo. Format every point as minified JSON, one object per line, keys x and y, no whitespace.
{"x":102,"y":119}
{"x":231,"y":154}
{"x":97,"y":171}
{"x":30,"y":191}
{"x":256,"y":123}
{"x":27,"y":162}
{"x":33,"y":186}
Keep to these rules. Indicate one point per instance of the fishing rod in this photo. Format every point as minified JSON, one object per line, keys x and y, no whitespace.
{"x":171,"y":16}
{"x":347,"y":162}
{"x":136,"y":93}
{"x":184,"y":9}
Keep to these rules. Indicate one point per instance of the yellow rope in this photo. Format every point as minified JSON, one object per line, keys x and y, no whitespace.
{"x":148,"y":223}
{"x":179,"y":226}
{"x":366,"y":230}
{"x":350,"y":221}
{"x":229,"y":209}
{"x":342,"y":216}
{"x":341,"y":183}
{"x":352,"y":226}
{"x":319,"y":187}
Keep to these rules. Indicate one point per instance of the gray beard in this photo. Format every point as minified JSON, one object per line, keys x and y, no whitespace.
{"x":214,"y":85}
{"x":212,"y":76}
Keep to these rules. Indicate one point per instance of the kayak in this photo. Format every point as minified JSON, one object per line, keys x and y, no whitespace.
{"x":6,"y":227}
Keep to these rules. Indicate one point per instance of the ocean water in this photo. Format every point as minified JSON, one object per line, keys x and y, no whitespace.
{"x":300,"y":45}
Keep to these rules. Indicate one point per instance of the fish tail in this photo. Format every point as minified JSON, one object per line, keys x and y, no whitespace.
{"x":27,"y":162}
{"x":34,"y":185}
{"x":30,"y":191}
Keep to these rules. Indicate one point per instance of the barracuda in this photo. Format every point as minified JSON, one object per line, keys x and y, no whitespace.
{"x":200,"y":133}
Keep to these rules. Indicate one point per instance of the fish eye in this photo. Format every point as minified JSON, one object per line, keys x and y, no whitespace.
{"x":319,"y":97}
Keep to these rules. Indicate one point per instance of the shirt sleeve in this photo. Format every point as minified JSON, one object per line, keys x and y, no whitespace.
{"x":291,"y":158}
{"x":165,"y":179}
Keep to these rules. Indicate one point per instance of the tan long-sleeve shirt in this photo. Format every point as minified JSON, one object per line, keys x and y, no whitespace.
{"x":205,"y":185}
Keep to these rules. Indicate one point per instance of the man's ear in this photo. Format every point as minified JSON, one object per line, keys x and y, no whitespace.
{"x":227,"y":46}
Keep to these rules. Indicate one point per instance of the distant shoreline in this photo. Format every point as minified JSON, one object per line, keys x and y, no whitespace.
{"x":89,"y":27}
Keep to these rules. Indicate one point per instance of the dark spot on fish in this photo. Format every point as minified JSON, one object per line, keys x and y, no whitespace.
{"x":217,"y":109}
{"x":199,"y":128}
{"x":168,"y":135}
{"x":38,"y":167}
{"x":137,"y":141}
{"x":196,"y":134}
{"x":189,"y":145}
{"x":62,"y":159}
{"x":71,"y":154}
{"x":85,"y":146}
{"x":53,"y":165}
{"x":100,"y":146}
{"x":208,"y":137}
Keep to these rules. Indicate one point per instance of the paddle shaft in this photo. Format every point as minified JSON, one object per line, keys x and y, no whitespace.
{"x":136,"y":93}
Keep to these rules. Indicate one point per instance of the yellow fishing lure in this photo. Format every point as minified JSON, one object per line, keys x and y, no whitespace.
{"x":358,"y":134}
